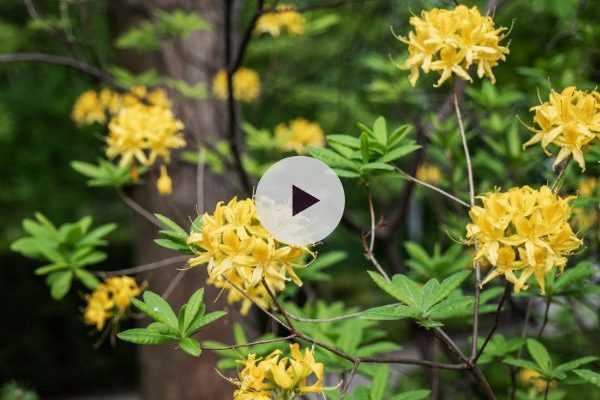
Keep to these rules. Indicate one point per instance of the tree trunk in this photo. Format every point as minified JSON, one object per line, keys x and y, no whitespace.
{"x":167,"y":373}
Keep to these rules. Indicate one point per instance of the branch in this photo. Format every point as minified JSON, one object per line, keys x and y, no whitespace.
{"x":545,"y":321}
{"x":496,"y":322}
{"x":256,"y":343}
{"x":369,"y":250}
{"x":58,"y":60}
{"x":432,"y":187}
{"x":145,"y":267}
{"x":135,"y":206}
{"x":232,"y":136}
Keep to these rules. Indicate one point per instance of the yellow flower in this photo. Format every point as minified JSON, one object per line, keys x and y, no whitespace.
{"x":587,"y":187}
{"x":290,"y":376}
{"x":429,"y":173}
{"x":143,"y":133}
{"x":299,"y":134}
{"x":569,"y":120}
{"x":246,"y":85}
{"x":522,"y":232}
{"x":451,"y":41}
{"x":110,"y":299}
{"x":284,"y":17}
{"x":164,"y":183}
{"x":239,"y":254}
{"x":88,"y":109}
{"x":529,"y":377}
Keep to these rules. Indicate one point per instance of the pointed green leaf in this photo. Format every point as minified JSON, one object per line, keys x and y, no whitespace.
{"x":87,"y":278}
{"x":380,"y":382}
{"x":161,"y":310}
{"x":61,"y":283}
{"x":589,"y":376}
{"x":190,"y":346}
{"x":192,"y":308}
{"x":539,"y":354}
{"x":380,"y":131}
{"x":144,"y":336}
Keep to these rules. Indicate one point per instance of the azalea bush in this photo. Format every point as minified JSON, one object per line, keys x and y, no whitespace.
{"x":455,"y":219}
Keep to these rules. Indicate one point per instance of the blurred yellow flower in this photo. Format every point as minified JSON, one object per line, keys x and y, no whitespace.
{"x":285,"y":17}
{"x":164,"y":185}
{"x":88,"y":109}
{"x":299,"y":134}
{"x":290,"y":376}
{"x":587,"y":187}
{"x":239,"y":254}
{"x":429,"y":173}
{"x":522,"y":231}
{"x":451,"y":41}
{"x":246,"y":85}
{"x":110,"y":299}
{"x":569,"y":120}
{"x":533,"y":379}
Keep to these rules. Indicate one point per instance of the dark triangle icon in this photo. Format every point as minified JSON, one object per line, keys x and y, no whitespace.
{"x":301,"y":200}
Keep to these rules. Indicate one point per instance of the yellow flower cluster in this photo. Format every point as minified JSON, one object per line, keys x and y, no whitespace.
{"x":279,"y":377}
{"x":240,"y":254}
{"x":586,"y":217}
{"x":522,"y":230}
{"x":569,"y":120}
{"x":143,"y":132}
{"x":299,"y":134}
{"x":450,"y":41}
{"x":285,"y":17}
{"x":246,"y":85}
{"x":110,"y":299}
{"x":429,"y":173}
{"x":534,"y":379}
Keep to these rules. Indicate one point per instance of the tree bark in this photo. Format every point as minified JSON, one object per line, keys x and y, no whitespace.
{"x":167,"y":373}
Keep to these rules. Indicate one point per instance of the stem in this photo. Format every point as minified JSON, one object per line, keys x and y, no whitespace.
{"x":349,"y":379}
{"x":369,"y":250}
{"x":232,"y":136}
{"x":545,"y":321}
{"x":547,"y":391}
{"x":466,"y":149}
{"x":58,"y":60}
{"x":258,"y":342}
{"x":135,"y":206}
{"x":145,"y":267}
{"x":433,"y":187}
{"x":496,"y":322}
{"x":173,"y":284}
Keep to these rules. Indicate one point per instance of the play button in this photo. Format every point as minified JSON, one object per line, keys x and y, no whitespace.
{"x":299,"y":200}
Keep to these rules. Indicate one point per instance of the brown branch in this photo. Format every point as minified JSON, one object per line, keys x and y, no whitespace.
{"x":496,"y":322}
{"x":135,"y":206}
{"x":58,"y":60}
{"x":545,"y":321}
{"x":145,"y":267}
{"x":256,"y":343}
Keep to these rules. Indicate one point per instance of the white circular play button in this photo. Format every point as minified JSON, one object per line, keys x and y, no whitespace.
{"x":300,"y":200}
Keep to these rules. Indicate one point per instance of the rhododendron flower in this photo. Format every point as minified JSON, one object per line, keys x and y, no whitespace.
{"x":522,"y":232}
{"x":285,"y":17}
{"x":299,"y":134}
{"x":239,"y":254}
{"x":110,"y":299}
{"x":569,"y":120}
{"x":246,"y":85}
{"x":451,"y":41}
{"x":287,"y":377}
{"x":429,"y":173}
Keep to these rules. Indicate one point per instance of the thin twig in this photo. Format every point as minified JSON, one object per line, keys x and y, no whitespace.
{"x":145,"y":267}
{"x":545,"y":321}
{"x":135,"y":206}
{"x":369,"y":250}
{"x":58,"y":60}
{"x":433,"y":187}
{"x":278,"y":305}
{"x":496,"y":322}
{"x":173,"y":284}
{"x":256,"y":343}
{"x":349,"y":379}
{"x":463,"y":136}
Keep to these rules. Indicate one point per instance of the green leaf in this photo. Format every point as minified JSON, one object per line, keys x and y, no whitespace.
{"x":87,"y":278}
{"x":451,"y":307}
{"x":171,"y":245}
{"x":364,"y":147}
{"x":411,"y":291}
{"x":191,"y":310}
{"x":523,"y":364}
{"x":380,"y":382}
{"x":93,"y":258}
{"x":170,"y":225}
{"x":377,"y":166}
{"x":342,"y":173}
{"x":28,"y":247}
{"x":539,"y":354}
{"x":380,"y":131}
{"x":391,"y":288}
{"x":61,"y":283}
{"x":399,"y":152}
{"x":448,"y":285}
{"x":571,"y":365}
{"x":412,"y":395}
{"x":203,"y":320}
{"x":588,"y":376}
{"x":332,"y":159}
{"x":144,"y":336}
{"x":96,"y":235}
{"x":190,"y":346}
{"x":196,"y":92}
{"x":389,"y":312}
{"x":161,"y":310}
{"x":346,"y":140}
{"x":50,"y":268}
